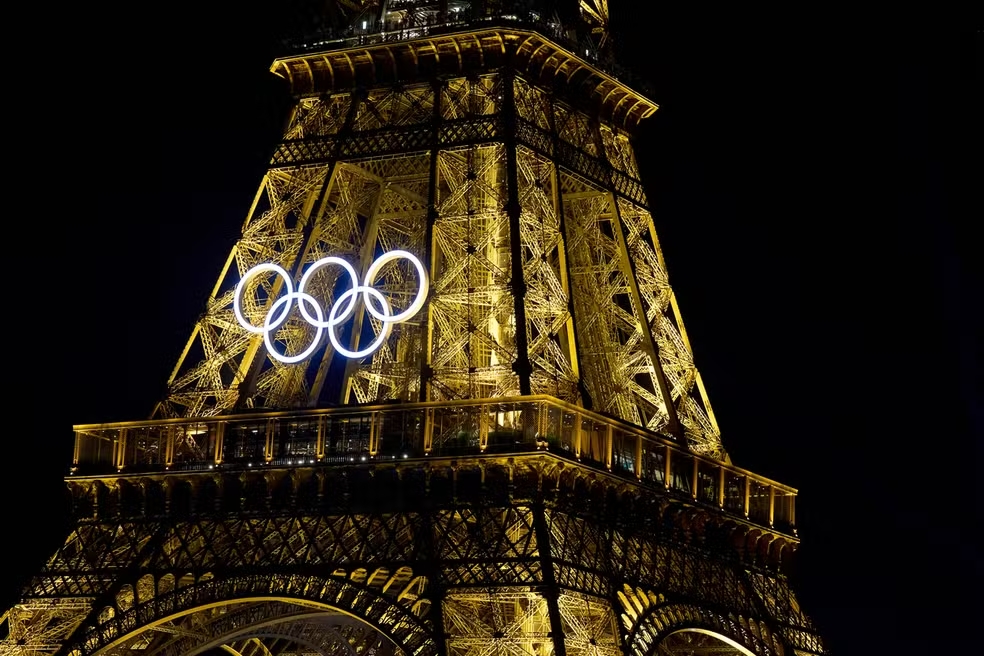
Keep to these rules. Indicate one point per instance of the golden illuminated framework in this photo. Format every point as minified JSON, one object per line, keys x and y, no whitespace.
{"x":546,"y":272}
{"x":530,"y":466}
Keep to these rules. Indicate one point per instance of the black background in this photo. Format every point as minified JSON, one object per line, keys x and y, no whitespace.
{"x":812,"y":180}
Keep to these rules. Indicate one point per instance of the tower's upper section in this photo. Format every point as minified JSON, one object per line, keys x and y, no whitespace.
{"x":454,"y":214}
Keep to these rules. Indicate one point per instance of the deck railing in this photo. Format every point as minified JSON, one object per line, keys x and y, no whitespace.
{"x":391,"y":432}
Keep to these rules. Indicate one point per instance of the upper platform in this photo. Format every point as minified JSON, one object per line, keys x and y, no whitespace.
{"x":562,"y":45}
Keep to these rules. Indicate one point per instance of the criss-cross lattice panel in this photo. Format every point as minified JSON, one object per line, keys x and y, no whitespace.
{"x":220,"y":352}
{"x":467,"y":97}
{"x":339,"y":541}
{"x":318,"y":116}
{"x":590,"y":627}
{"x":580,"y":550}
{"x":619,"y":151}
{"x":666,"y":326}
{"x":394,"y":106}
{"x":617,"y":369}
{"x":497,"y":622}
{"x":487,"y":546}
{"x":532,"y":104}
{"x":549,"y":325}
{"x":575,"y":128}
{"x":472,"y":311}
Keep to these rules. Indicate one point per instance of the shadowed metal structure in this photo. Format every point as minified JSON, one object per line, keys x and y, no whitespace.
{"x":527,"y":465}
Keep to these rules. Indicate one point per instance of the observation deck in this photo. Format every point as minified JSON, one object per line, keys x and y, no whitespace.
{"x":432,"y":434}
{"x":371,"y":32}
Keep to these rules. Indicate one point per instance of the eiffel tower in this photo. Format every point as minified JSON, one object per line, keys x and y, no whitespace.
{"x":479,"y":431}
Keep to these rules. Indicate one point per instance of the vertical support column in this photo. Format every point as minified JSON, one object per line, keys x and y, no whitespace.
{"x":748,"y":493}
{"x":720,"y":487}
{"x":551,"y":592}
{"x":437,"y":589}
{"x":522,"y":366}
{"x":310,"y":223}
{"x":565,"y":267}
{"x":649,"y":342}
{"x":430,"y":250}
{"x":638,"y":456}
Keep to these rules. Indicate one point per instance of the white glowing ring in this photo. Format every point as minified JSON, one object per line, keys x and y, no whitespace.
{"x":340,"y":311}
{"x":380,"y":338}
{"x":270,"y":326}
{"x":418,"y":301}
{"x":237,"y":303}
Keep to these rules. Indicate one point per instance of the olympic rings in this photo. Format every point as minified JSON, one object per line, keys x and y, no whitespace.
{"x":375,"y":303}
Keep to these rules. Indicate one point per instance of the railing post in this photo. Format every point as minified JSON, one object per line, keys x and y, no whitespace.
{"x":271,"y":427}
{"x":319,"y":446}
{"x":428,"y":431}
{"x":748,"y":494}
{"x":219,"y":441}
{"x":667,"y":471}
{"x":121,"y":450}
{"x":772,"y":505}
{"x":577,"y":435}
{"x":483,"y":428}
{"x":721,"y":486}
{"x":76,"y":451}
{"x":693,"y":480}
{"x":608,"y":446}
{"x":373,"y":435}
{"x":169,"y":449}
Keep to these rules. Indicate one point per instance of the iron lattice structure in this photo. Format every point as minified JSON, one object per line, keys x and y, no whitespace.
{"x":528,"y":466}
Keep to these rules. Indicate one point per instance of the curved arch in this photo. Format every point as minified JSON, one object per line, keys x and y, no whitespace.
{"x":754,"y":638}
{"x":382,"y":612}
{"x":725,"y":639}
{"x":267,"y":620}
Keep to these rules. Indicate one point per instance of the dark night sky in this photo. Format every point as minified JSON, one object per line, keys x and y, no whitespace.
{"x":811,"y":185}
